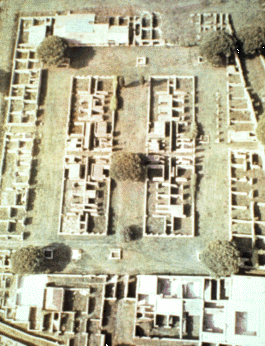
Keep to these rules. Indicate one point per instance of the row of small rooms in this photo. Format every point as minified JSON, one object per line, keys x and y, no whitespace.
{"x":202,"y":309}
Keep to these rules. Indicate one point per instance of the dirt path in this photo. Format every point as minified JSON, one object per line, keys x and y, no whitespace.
{"x":124,"y":327}
{"x":132,"y":119}
{"x":46,"y":210}
{"x":212,"y":201}
{"x":128,"y":199}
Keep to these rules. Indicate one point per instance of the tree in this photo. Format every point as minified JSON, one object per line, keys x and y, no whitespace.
{"x":27,"y":260}
{"x":251,"y":39}
{"x":131,"y":233}
{"x":221,"y":257}
{"x":127,"y":166}
{"x":260,"y":130}
{"x":52,"y":50}
{"x":216,"y":46}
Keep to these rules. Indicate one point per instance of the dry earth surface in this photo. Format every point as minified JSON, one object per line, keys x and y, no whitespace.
{"x":143,"y":255}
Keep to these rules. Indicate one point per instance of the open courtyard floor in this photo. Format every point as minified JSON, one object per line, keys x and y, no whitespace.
{"x":143,"y":255}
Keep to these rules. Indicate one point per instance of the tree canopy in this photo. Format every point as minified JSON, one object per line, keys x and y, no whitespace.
{"x":216,"y":46}
{"x":133,"y":232}
{"x":127,"y":166}
{"x":260,"y":130}
{"x":221,"y":257}
{"x":52,"y":50}
{"x":27,"y":260}
{"x":251,"y":39}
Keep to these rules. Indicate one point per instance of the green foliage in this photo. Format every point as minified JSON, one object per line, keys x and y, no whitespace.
{"x":260,"y":130}
{"x":193,"y":133}
{"x":216,"y":46}
{"x":221,"y":257}
{"x":251,"y":39}
{"x":113,"y":103}
{"x":218,"y":60}
{"x":52,"y":50}
{"x":27,"y":260}
{"x":131,"y":233}
{"x":127,"y":166}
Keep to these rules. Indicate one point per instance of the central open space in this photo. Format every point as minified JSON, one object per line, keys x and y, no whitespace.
{"x":131,"y":122}
{"x":130,"y":131}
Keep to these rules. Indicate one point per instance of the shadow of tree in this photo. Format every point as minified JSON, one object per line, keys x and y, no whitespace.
{"x":4,"y":81}
{"x":31,"y":197}
{"x":80,"y":56}
{"x":257,"y":104}
{"x":44,"y":86}
{"x":200,"y":129}
{"x":132,"y":233}
{"x":62,"y":255}
{"x":132,"y":84}
{"x":33,"y":172}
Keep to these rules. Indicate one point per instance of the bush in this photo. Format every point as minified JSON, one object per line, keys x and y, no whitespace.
{"x":127,"y":166}
{"x":27,"y":260}
{"x":132,"y":233}
{"x":221,"y":257}
{"x":113,"y":103}
{"x":251,"y":39}
{"x":52,"y":50}
{"x":260,"y":130}
{"x":216,"y":46}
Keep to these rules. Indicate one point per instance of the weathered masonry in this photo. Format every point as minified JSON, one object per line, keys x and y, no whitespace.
{"x":19,"y":141}
{"x":171,"y":178}
{"x":196,"y":311}
{"x":89,"y":140}
{"x":200,"y":310}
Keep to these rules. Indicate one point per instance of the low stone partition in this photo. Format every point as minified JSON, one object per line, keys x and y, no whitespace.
{"x":246,"y":204}
{"x":22,"y":111}
{"x":205,"y":22}
{"x":241,"y":117}
{"x":85,"y":200}
{"x":171,"y":157}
